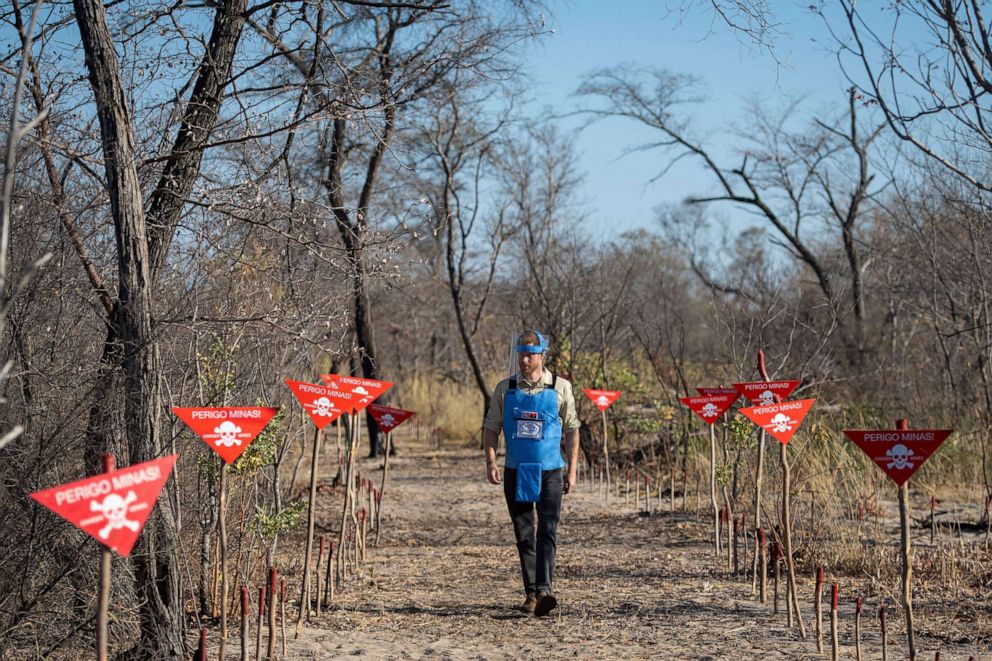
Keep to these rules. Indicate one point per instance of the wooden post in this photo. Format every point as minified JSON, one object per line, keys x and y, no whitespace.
{"x":626,"y":483}
{"x":759,"y":576}
{"x":790,"y":566}
{"x":329,"y":576}
{"x":885,"y":632}
{"x":933,"y":518}
{"x":907,"y":564}
{"x":103,"y":605}
{"x":258,"y":628}
{"x":382,"y":487}
{"x":763,"y":583}
{"x":818,"y":606}
{"x":606,"y":457}
{"x":273,"y":597}
{"x":282,"y":614}
{"x":736,"y":542}
{"x":304,"y":611}
{"x":834,"y":644}
{"x":775,"y":575}
{"x":713,"y":503}
{"x":857,"y":629}
{"x":320,"y":559}
{"x":244,"y":623}
{"x":201,"y":652}
{"x":222,"y":528}
{"x":345,"y":508}
{"x":671,"y":489}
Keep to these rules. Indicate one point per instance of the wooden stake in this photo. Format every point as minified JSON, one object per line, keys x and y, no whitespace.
{"x":713,"y":503}
{"x":103,"y":605}
{"x":857,"y":629}
{"x":907,"y":564}
{"x":606,"y":457}
{"x":201,"y":652}
{"x":244,"y":623}
{"x":273,"y":596}
{"x":775,"y":576}
{"x":320,"y":559}
{"x":763,"y":569}
{"x":818,"y":605}
{"x":329,"y":576}
{"x":382,"y":487}
{"x":304,"y":610}
{"x":885,"y":632}
{"x":790,"y":566}
{"x":834,"y":644}
{"x":759,"y":576}
{"x":258,"y":628}
{"x":282,"y":613}
{"x":222,"y":526}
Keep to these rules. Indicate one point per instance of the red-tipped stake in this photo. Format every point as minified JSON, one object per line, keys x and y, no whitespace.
{"x":201,"y":653}
{"x":882,"y":617}
{"x":244,"y":623}
{"x":857,"y":629}
{"x":258,"y":629}
{"x":818,"y":607}
{"x":273,"y":597}
{"x":834,"y":644}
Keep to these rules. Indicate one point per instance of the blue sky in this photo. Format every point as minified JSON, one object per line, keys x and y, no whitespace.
{"x":590,"y":34}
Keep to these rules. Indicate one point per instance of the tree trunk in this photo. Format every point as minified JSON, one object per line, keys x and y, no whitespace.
{"x":156,"y":561}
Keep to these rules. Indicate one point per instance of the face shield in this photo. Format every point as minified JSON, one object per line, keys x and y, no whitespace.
{"x":525,"y":347}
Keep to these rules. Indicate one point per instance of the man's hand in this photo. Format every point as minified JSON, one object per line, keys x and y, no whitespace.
{"x":570,"y":479}
{"x":492,"y":471}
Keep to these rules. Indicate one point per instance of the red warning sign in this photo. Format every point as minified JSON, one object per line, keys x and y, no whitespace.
{"x":111,"y":507}
{"x":781,"y":420}
{"x":763,"y":393}
{"x":365,"y":390}
{"x":227,"y":430}
{"x":898,"y":452}
{"x":603,"y":399}
{"x":324,"y":405}
{"x":718,"y":391}
{"x":710,"y":407}
{"x":387,"y":417}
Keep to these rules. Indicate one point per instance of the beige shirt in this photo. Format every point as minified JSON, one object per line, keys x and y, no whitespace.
{"x":567,"y":416}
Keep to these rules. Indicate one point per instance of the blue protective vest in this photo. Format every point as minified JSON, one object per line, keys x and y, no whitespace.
{"x":531,"y":427}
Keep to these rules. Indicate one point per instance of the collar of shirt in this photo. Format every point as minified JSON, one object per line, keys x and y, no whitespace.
{"x":545,"y":378}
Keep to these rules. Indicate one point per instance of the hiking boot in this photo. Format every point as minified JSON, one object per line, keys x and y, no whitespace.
{"x":546,"y":602}
{"x":529,"y":604}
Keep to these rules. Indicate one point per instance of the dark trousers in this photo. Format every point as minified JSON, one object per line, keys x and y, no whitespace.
{"x":536,"y":545}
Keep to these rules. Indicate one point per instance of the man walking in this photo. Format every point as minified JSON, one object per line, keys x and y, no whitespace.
{"x":534,"y":409}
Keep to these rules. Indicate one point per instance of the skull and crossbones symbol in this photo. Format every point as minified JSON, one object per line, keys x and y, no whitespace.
{"x":900,"y":457}
{"x":360,"y":390}
{"x":228,"y":433}
{"x":388,"y":420}
{"x":781,"y":423}
{"x":710,"y":411}
{"x":602,"y":400}
{"x":766,"y":398}
{"x":322,"y":407}
{"x":114,"y":510}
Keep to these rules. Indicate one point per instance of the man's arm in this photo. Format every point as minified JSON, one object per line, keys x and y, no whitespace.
{"x":490,"y":441}
{"x":572,"y":457}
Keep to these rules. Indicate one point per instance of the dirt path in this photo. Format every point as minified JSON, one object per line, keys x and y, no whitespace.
{"x":445,"y":580}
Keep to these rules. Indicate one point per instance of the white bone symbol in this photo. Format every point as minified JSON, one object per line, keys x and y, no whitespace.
{"x":387,"y":420}
{"x":710,"y":411}
{"x":900,"y":457}
{"x":114,"y":510}
{"x":322,"y":407}
{"x":767,"y":397}
{"x":228,"y":432}
{"x":781,"y":423}
{"x":360,"y":390}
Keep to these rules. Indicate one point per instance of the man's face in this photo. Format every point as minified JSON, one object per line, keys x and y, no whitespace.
{"x":530,"y":364}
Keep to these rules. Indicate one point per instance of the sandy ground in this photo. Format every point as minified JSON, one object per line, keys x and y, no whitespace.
{"x":444,"y":583}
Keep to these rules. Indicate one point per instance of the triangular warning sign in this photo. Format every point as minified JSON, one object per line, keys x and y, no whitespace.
{"x":603,"y":399}
{"x":324,"y":405}
{"x":763,"y":393}
{"x":898,"y":452}
{"x":781,"y":420}
{"x":111,"y":507}
{"x":387,"y":417}
{"x":709,"y":407}
{"x":366,"y":391}
{"x":718,"y":391}
{"x":227,"y":430}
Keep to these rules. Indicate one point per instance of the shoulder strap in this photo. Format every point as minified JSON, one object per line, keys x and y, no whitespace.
{"x":554,"y":380}
{"x":513,"y":384}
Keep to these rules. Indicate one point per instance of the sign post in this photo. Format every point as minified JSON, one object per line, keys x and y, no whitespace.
{"x":387,"y":418}
{"x":228,"y":431}
{"x":323,"y":405}
{"x":899,"y":453}
{"x":603,"y":399}
{"x":762,"y":392}
{"x":709,"y":408}
{"x":112,"y":508}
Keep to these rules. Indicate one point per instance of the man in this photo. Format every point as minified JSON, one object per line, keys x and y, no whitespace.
{"x":532,"y":409}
